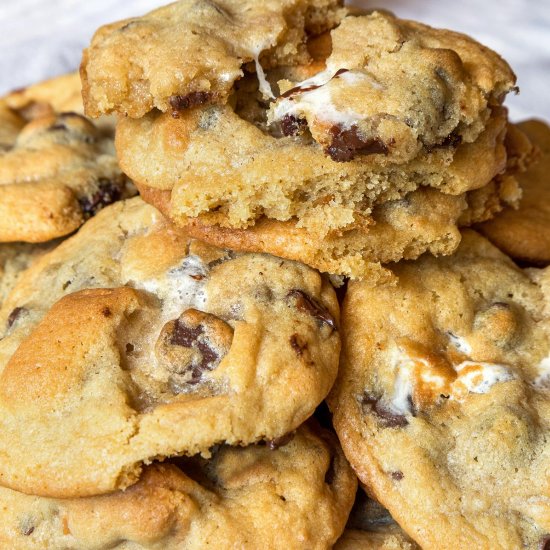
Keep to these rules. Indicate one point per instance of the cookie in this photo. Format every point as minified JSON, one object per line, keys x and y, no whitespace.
{"x":295,"y":496}
{"x":14,"y":259}
{"x":237,"y":163}
{"x":524,"y":233}
{"x":371,"y":527}
{"x":62,"y":94}
{"x":442,"y":401}
{"x":132,"y":341}
{"x":192,"y":51}
{"x":424,"y":220}
{"x":55,"y":172}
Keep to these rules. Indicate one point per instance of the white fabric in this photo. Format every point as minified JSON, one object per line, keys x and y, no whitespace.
{"x":43,"y":38}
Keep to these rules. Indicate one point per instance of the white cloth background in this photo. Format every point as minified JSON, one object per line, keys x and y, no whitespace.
{"x":43,"y":38}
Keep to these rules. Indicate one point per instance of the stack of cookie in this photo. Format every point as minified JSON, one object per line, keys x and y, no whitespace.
{"x":163,"y":371}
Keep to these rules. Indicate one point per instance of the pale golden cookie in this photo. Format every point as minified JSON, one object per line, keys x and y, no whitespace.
{"x":296,"y":496}
{"x":132,"y":341}
{"x":192,"y":51}
{"x":524,"y":233}
{"x":442,"y":402}
{"x":55,"y":172}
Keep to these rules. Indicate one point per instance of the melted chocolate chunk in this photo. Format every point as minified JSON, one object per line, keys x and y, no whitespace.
{"x":14,"y":315}
{"x":308,"y":305}
{"x":544,"y":544}
{"x":107,"y":193}
{"x":274,"y":444}
{"x":348,"y":143}
{"x":298,"y":345}
{"x":189,"y":337}
{"x":386,"y":418}
{"x":183,"y":102}
{"x":292,"y":126}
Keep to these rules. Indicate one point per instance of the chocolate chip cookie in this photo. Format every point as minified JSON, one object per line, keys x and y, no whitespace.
{"x":132,"y":342}
{"x":295,"y":496}
{"x":55,"y":172}
{"x":442,"y":400}
{"x":192,"y":51}
{"x":524,"y":233}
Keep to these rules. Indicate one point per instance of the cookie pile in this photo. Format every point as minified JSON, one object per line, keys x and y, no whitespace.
{"x":307,"y":173}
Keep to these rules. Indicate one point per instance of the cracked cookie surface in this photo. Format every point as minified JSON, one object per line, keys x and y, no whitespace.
{"x":133,"y":341}
{"x":442,"y":402}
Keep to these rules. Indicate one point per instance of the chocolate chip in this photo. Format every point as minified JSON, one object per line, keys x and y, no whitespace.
{"x":398,"y":476}
{"x":544,"y":544}
{"x":292,"y":126}
{"x":348,"y":143}
{"x":183,"y":102}
{"x":386,"y":418}
{"x":310,"y":306}
{"x":298,"y":345}
{"x":193,"y":344}
{"x":274,"y":444}
{"x":14,"y":315}
{"x":107,"y":193}
{"x":106,"y":312}
{"x":452,"y":140}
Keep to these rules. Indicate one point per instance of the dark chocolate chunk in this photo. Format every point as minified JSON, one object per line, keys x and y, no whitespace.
{"x":386,"y":418}
{"x":14,"y":315}
{"x":544,"y":544}
{"x":309,"y":305}
{"x":194,"y":343}
{"x":183,"y":102}
{"x":189,"y":337}
{"x":107,"y":193}
{"x":292,"y":126}
{"x":274,"y":444}
{"x":348,"y":143}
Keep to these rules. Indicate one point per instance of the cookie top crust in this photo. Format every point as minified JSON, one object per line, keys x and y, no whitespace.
{"x":442,"y":399}
{"x":394,"y":87}
{"x":192,"y":51}
{"x":15,"y":258}
{"x":524,"y":233}
{"x":132,"y":341}
{"x":294,"y":496}
{"x":56,"y":171}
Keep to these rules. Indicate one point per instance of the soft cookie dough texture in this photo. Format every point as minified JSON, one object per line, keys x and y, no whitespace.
{"x":132,"y":341}
{"x":307,"y":147}
{"x":442,"y":401}
{"x":296,"y":496}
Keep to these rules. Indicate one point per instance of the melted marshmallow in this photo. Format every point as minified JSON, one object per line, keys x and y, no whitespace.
{"x":264,"y":86}
{"x":179,"y":288}
{"x":542,"y":381}
{"x":318,"y":102}
{"x":479,"y":377}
